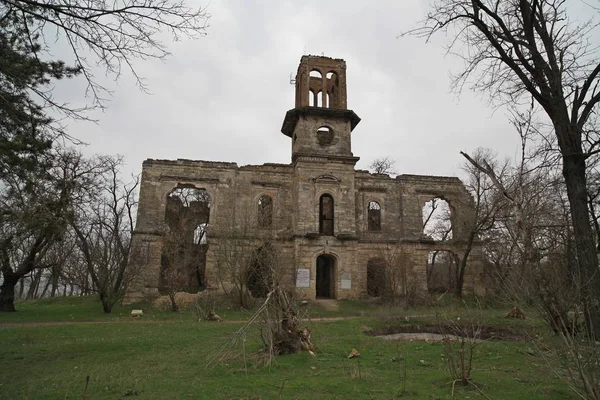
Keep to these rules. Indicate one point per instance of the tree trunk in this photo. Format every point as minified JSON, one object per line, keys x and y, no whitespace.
{"x":106,"y":303}
{"x":55,"y":278}
{"x":430,"y":271}
{"x":7,"y":291}
{"x":574,"y":174}
{"x":21,"y":288}
{"x":460,"y":279}
{"x":174,"y":306}
{"x":34,"y":286}
{"x":46,"y":286}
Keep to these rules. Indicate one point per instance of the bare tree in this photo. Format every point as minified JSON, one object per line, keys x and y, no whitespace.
{"x":36,"y":219}
{"x":532,"y":242}
{"x":533,"y":51}
{"x":103,"y":228}
{"x":488,"y":206}
{"x":533,"y":210}
{"x":99,"y":33}
{"x":103,"y":37}
{"x":437,"y":219}
{"x":383,"y":165}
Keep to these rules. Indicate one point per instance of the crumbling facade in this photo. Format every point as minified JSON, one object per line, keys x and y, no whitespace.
{"x":330,"y":223}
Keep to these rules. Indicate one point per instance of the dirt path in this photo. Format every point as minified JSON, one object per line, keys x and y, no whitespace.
{"x":142,"y":321}
{"x":328,"y":304}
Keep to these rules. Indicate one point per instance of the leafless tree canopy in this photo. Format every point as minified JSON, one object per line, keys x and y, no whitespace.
{"x":533,"y":51}
{"x":518,"y":48}
{"x":383,"y":165}
{"x":75,"y":223}
{"x":103,"y":227}
{"x":109,"y":35}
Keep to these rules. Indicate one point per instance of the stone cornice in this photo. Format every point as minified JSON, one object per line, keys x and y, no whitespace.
{"x":293,"y":115}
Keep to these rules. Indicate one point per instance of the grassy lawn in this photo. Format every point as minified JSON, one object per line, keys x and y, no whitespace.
{"x":167,"y":359}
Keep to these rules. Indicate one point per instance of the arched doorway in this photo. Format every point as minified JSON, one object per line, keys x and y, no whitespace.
{"x":325,"y":277}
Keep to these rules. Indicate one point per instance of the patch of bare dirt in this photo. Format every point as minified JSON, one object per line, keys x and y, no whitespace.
{"x":328,"y":304}
{"x":407,"y":332}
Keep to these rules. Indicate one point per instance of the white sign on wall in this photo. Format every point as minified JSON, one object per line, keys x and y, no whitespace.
{"x":303,"y":277}
{"x":346,"y":283}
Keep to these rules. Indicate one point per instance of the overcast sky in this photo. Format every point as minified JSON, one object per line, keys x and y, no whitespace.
{"x":224,"y":96}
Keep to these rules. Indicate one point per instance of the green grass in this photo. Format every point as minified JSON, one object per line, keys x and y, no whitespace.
{"x":89,"y":309}
{"x":167,"y":359}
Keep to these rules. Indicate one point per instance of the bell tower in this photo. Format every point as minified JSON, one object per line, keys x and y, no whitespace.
{"x":320,"y":124}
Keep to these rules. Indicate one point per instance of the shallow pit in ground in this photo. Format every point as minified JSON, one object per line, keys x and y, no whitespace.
{"x":435,"y":333}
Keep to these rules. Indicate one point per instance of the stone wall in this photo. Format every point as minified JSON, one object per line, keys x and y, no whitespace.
{"x":295,"y":190}
{"x":323,"y":164}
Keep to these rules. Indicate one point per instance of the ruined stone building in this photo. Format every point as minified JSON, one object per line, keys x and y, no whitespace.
{"x":333,"y":227}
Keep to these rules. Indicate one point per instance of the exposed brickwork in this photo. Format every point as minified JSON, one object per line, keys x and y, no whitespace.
{"x":316,"y":169}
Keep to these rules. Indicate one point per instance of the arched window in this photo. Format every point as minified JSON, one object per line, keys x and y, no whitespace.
{"x":374,"y":217}
{"x":437,"y":219}
{"x":332,"y":90}
{"x":326,"y":215}
{"x":265,"y":211}
{"x":324,"y":136}
{"x":316,"y":74}
{"x":316,"y":89}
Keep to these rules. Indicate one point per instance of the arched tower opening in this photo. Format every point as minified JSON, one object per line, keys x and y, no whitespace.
{"x":325,"y":76}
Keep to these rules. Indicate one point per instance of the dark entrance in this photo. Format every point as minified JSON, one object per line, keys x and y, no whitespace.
{"x":325,"y":277}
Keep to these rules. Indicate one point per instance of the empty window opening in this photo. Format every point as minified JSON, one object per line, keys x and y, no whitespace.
{"x":374,"y":217}
{"x":442,"y":271}
{"x":326,"y":215}
{"x":325,"y":277}
{"x":332,"y":90}
{"x":437,"y":220}
{"x":376,"y":277}
{"x":261,"y":267}
{"x":315,"y":85}
{"x":200,"y":234}
{"x":326,"y":103}
{"x":185,"y":243}
{"x":265,"y":211}
{"x":324,"y":136}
